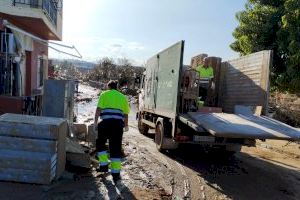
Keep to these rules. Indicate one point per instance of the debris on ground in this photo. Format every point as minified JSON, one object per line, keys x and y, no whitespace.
{"x":76,"y":155}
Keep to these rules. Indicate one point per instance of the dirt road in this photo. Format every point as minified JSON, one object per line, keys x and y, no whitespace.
{"x":188,"y":173}
{"x":247,"y":175}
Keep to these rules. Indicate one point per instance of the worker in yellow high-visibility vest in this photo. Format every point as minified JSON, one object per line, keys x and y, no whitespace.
{"x":205,"y":71}
{"x":206,"y":74}
{"x":113,"y":109}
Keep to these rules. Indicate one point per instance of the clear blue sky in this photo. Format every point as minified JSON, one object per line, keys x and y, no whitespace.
{"x":137,"y":29}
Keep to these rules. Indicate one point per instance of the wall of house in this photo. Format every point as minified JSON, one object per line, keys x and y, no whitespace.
{"x":11,"y":105}
{"x":38,"y":51}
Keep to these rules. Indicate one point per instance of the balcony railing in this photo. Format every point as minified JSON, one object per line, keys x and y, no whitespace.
{"x":48,"y":6}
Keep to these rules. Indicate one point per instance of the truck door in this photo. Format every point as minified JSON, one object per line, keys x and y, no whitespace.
{"x":150,"y":79}
{"x":168,"y":79}
{"x":162,"y":80}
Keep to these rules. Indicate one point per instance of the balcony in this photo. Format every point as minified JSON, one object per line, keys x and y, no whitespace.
{"x":50,"y":7}
{"x":42,"y":18}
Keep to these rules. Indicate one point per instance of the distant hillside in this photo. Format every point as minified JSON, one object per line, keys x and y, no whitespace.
{"x":77,"y":63}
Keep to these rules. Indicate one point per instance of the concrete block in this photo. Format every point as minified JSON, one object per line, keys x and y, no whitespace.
{"x":26,"y":144}
{"x":80,"y":131}
{"x":91,"y":136}
{"x":61,"y":150}
{"x":35,"y":134}
{"x":79,"y":159}
{"x":27,"y":160}
{"x":26,"y":126}
{"x":27,"y":176}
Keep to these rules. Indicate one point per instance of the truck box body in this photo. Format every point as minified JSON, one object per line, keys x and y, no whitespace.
{"x":162,"y":81}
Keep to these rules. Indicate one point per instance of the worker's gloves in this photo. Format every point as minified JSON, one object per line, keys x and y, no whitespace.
{"x":126,"y":129}
{"x":95,"y":128}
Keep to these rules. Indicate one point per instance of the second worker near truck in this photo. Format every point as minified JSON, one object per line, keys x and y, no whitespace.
{"x":206,"y":74}
{"x":113,"y":109}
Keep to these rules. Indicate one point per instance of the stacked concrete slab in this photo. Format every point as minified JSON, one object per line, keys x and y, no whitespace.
{"x":32,"y":148}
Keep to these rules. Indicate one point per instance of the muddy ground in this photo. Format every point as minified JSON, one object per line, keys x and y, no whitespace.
{"x":187,"y":173}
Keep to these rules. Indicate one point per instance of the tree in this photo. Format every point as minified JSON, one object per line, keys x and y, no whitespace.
{"x":121,"y":70}
{"x":103,"y":69}
{"x":289,"y":44}
{"x":68,"y":70}
{"x":274,"y":25}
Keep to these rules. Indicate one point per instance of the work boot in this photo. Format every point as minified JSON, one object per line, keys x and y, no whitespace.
{"x":116,"y":177}
{"x":102,"y":168}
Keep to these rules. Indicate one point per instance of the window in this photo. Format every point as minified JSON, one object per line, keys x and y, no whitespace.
{"x":41,"y":70}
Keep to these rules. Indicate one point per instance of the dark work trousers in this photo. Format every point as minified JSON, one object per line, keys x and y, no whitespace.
{"x":111,"y":130}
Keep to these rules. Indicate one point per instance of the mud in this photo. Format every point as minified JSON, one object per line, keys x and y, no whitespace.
{"x":187,"y":173}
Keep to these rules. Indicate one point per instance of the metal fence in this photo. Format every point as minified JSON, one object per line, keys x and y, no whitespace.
{"x":49,"y":7}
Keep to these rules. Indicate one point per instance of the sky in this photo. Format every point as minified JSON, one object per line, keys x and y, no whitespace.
{"x":138,"y":29}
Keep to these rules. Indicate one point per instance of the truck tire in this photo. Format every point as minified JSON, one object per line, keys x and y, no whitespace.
{"x":159,"y":137}
{"x":163,"y":143}
{"x":143,"y":128}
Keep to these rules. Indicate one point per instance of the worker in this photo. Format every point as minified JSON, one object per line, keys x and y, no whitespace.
{"x":113,"y":109}
{"x":124,"y":87}
{"x":205,"y":71}
{"x":206,"y":74}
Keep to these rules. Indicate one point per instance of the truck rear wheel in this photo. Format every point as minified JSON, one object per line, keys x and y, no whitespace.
{"x":162,"y":142}
{"x":143,"y":128}
{"x":159,"y":137}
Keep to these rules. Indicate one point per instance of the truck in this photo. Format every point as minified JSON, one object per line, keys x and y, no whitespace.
{"x":169,"y":96}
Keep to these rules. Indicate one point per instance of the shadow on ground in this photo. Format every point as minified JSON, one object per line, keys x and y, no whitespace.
{"x":80,"y":186}
{"x":241,"y":176}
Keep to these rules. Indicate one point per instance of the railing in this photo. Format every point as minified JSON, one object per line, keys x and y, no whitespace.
{"x":32,"y":105}
{"x":48,"y":6}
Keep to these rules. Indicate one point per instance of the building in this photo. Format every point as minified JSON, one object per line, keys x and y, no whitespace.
{"x":25,"y":28}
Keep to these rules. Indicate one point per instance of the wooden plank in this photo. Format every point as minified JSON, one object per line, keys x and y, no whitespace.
{"x":239,"y":126}
{"x":246,"y":78}
{"x":25,"y":144}
{"x":265,"y":79}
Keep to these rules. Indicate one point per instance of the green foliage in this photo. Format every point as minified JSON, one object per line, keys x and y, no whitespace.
{"x":274,"y":25}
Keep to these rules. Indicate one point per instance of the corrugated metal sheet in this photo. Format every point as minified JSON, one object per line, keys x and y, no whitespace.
{"x":245,"y":81}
